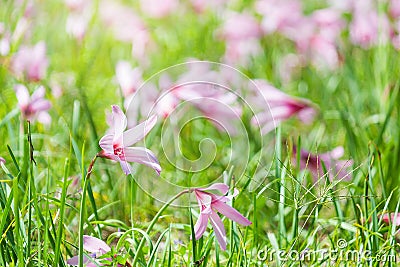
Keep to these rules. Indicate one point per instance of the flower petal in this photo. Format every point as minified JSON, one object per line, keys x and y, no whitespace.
{"x":219,"y":229}
{"x":74,"y":261}
{"x":22,"y":95}
{"x":126,"y":167}
{"x":223,"y":188}
{"x":94,"y":245}
{"x":38,"y":94}
{"x":230,"y":213}
{"x":202,"y":222}
{"x":106,"y":143}
{"x":142,"y":155}
{"x":138,"y":132}
{"x":119,"y":123}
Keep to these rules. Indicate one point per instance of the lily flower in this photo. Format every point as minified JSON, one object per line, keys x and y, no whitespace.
{"x":128,"y":78}
{"x":390,"y":217}
{"x":35,"y":106}
{"x":116,"y":145}
{"x":209,"y":205}
{"x":93,"y":245}
{"x":281,"y":107}
{"x":30,"y":62}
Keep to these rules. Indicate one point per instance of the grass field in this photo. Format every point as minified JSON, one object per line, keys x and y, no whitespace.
{"x":199,"y":133}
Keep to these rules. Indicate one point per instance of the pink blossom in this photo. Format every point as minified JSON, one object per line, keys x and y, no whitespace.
{"x":240,"y":53}
{"x":158,"y":8}
{"x":329,"y":23}
{"x":394,"y":9}
{"x":239,"y":26}
{"x":336,"y":168}
{"x":209,"y":205}
{"x":368,"y":28}
{"x":116,"y":145}
{"x":281,"y":107}
{"x":128,"y":78}
{"x":391,"y":218}
{"x":95,"y":246}
{"x":127,"y":27}
{"x":35,"y":106}
{"x":30,"y":62}
{"x":279,"y":15}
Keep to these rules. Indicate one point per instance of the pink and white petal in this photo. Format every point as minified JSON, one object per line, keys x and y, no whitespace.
{"x":22,"y":95}
{"x":40,"y":105}
{"x":119,"y":123}
{"x":106,"y":143}
{"x":138,"y":132}
{"x":221,"y":187}
{"x":219,"y":229}
{"x":95,"y":245}
{"x":142,"y":155}
{"x":204,"y":199}
{"x":230,"y":213}
{"x":44,"y":117}
{"x":202,"y":222}
{"x":126,"y":167}
{"x":38,"y":94}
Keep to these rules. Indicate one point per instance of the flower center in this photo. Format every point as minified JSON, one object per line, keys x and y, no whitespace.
{"x":119,"y":151}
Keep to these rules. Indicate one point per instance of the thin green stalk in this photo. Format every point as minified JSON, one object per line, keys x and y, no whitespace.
{"x":153,"y":222}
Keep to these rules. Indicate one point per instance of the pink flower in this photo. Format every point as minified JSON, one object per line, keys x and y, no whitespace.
{"x":95,"y":246}
{"x":201,"y":6}
{"x":128,"y":78}
{"x":209,"y":205}
{"x":30,"y":62}
{"x":239,"y":26}
{"x":391,"y":218}
{"x":335,"y":167}
{"x":116,"y":145}
{"x":279,"y":15}
{"x":2,"y":161}
{"x":35,"y":106}
{"x":280,"y":107}
{"x":158,"y":8}
{"x":127,"y":27}
{"x":394,"y":8}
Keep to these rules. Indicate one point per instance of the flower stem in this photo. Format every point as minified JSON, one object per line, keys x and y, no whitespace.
{"x":82,"y":210}
{"x":153,"y":222}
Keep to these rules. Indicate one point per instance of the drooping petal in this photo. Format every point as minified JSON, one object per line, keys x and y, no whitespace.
{"x":95,"y":245}
{"x":142,"y":155}
{"x":138,"y":132}
{"x":223,"y":188}
{"x":106,"y":143}
{"x":202,"y":222}
{"x":119,"y":123}
{"x":230,"y":213}
{"x":126,"y":167}
{"x":219,"y":229}
{"x":44,"y":117}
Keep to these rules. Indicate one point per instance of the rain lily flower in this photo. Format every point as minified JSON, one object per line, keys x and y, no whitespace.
{"x":390,"y":217}
{"x":335,"y":167}
{"x":280,"y":107}
{"x":30,"y":62}
{"x":116,"y":145}
{"x":35,"y":106}
{"x":209,"y":205}
{"x":96,"y":247}
{"x":128,"y":78}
